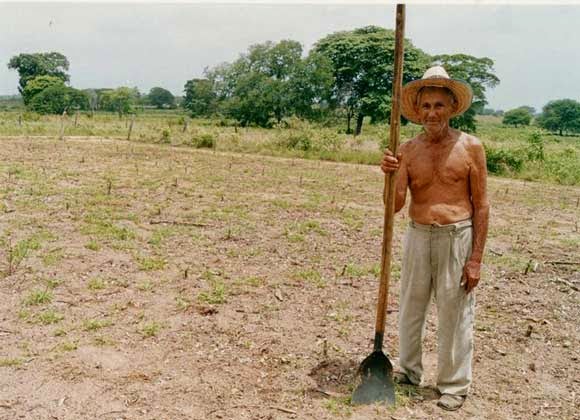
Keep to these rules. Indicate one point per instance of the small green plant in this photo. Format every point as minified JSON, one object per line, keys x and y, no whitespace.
{"x":49,"y":317}
{"x":38,"y":297}
{"x":150,"y":329}
{"x":96,"y":284}
{"x":16,"y":253}
{"x":93,"y":245}
{"x":311,"y":276}
{"x":217,"y":293}
{"x":95,"y":324}
{"x":151,"y":263}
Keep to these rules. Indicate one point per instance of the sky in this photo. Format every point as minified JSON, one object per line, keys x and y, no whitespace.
{"x":110,"y":44}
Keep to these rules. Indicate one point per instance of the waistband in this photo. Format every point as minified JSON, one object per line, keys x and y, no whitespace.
{"x":436,"y":227}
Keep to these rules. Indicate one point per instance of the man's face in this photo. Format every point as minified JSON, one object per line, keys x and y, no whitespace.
{"x":435,"y":107}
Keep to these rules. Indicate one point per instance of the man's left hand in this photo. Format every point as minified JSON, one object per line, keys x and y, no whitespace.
{"x":471,"y":275}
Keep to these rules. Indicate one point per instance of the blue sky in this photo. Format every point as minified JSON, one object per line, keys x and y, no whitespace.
{"x":534,"y":47}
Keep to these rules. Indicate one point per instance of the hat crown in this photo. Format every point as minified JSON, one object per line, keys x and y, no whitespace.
{"x":435,"y":72}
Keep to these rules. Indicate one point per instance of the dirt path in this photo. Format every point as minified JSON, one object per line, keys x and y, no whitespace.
{"x":149,"y":282}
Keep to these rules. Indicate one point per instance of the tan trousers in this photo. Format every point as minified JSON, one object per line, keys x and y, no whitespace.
{"x":433,"y":260}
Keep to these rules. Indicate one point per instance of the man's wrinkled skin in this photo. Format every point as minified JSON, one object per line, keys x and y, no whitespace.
{"x":446,"y":172}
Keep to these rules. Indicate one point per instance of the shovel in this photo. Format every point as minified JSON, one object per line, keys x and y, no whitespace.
{"x":376,"y":370}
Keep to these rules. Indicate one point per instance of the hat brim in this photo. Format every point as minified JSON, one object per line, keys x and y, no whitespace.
{"x":461,"y":90}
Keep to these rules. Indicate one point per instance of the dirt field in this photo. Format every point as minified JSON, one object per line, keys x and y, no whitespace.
{"x":150,"y":282}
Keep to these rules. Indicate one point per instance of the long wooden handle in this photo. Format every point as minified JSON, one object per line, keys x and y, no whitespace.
{"x":389,"y":190}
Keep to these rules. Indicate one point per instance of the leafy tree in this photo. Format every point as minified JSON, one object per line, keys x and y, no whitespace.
{"x":33,"y":65}
{"x":518,"y":116}
{"x":161,"y":98}
{"x":362,"y":64}
{"x":479,"y":73}
{"x":38,"y":84}
{"x":270,"y":82}
{"x":121,"y":100}
{"x":200,"y":98}
{"x":58,"y":98}
{"x":561,"y":116}
{"x":310,"y":88}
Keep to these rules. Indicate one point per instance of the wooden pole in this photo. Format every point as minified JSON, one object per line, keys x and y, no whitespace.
{"x":389,"y":190}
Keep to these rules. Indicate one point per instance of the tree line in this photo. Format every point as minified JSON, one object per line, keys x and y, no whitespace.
{"x":347,"y":75}
{"x":43,"y":87}
{"x":560,"y":116}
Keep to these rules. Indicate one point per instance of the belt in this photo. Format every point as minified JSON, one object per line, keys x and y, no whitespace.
{"x":436,"y":227}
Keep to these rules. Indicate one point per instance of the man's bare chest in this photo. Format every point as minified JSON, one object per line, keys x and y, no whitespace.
{"x":438,"y":165}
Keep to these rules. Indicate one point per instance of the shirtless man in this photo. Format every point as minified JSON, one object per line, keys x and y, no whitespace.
{"x":445,"y":171}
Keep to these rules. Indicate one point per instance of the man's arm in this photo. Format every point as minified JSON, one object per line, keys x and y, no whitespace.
{"x":390,"y":164}
{"x":479,"y":200}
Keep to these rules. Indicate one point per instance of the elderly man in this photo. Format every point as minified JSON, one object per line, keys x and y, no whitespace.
{"x":445,"y":171}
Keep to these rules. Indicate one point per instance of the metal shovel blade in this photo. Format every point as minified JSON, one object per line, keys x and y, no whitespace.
{"x":377,"y":381}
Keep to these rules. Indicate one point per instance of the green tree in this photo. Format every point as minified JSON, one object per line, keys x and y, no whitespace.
{"x":362,"y":64}
{"x":33,"y":65}
{"x":37,"y":85}
{"x":270,"y":82}
{"x":58,"y":98}
{"x":479,"y":73}
{"x":561,"y":116}
{"x":518,"y":116}
{"x":200,"y":98}
{"x":121,"y":100}
{"x":161,"y":98}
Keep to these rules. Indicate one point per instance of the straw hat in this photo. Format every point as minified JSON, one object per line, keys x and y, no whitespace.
{"x":435,"y":76}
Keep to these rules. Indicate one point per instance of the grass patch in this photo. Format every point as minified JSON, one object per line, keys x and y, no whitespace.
{"x":67,"y":346}
{"x":95,"y":324}
{"x":38,"y":297}
{"x":151,"y":263}
{"x":311,"y":276}
{"x":49,"y":317}
{"x":96,"y":284}
{"x":53,"y":257}
{"x":10,"y":362}
{"x":216,"y":293}
{"x":93,"y":245}
{"x":150,"y":329}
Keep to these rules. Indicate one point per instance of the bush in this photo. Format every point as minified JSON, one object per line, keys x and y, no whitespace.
{"x":328,"y":141}
{"x":298,"y":141}
{"x":500,"y":161}
{"x":536,"y":147}
{"x":203,"y":141}
{"x":165,"y":137}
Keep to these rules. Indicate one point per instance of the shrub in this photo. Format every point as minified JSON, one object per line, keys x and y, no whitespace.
{"x":165,"y":136}
{"x":298,"y":141}
{"x":500,"y":161}
{"x":536,"y":147}
{"x":206,"y":141}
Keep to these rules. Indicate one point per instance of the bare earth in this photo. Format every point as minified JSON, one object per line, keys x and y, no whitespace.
{"x":150,"y":282}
